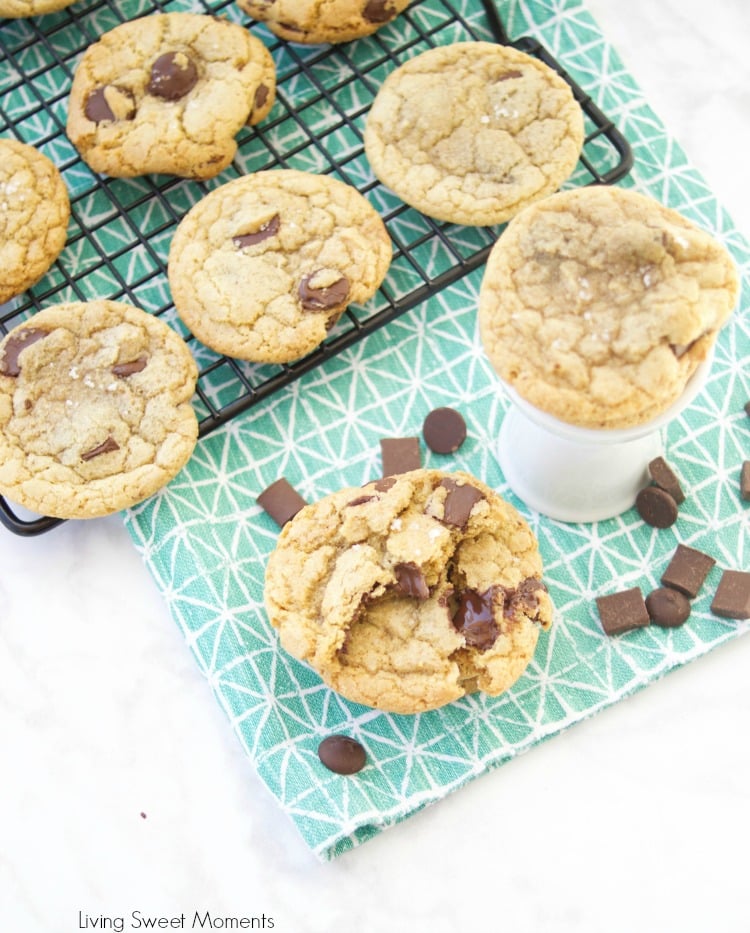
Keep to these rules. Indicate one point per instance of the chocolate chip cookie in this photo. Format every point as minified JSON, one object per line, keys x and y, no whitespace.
{"x":409,"y":592}
{"x":167,"y":93}
{"x":20,"y":9}
{"x":598,"y":304}
{"x":472,"y":132}
{"x":263,"y":266}
{"x":34,"y":213}
{"x":311,"y":22}
{"x":95,"y":409}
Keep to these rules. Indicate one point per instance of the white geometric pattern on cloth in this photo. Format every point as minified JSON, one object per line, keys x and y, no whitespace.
{"x":206,"y":540}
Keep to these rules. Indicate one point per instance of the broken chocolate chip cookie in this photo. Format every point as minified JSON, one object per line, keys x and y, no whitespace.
{"x":407,"y":595}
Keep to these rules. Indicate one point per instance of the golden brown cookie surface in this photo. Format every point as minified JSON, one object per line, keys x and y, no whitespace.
{"x":262,"y":267}
{"x":95,"y":409}
{"x":598,"y":304}
{"x":167,"y":93}
{"x":471,"y":132}
{"x":310,"y":22}
{"x":34,"y":213}
{"x":409,"y":592}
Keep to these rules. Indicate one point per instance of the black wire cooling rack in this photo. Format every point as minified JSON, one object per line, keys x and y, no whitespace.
{"x":120,"y":229}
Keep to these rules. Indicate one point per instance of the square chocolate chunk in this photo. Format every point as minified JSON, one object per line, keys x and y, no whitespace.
{"x":732,"y":597}
{"x":400,"y":455}
{"x":623,"y":611}
{"x":281,"y":501}
{"x":687,"y":570}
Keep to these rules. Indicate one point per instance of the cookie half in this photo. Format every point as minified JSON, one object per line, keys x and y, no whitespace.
{"x":598,"y":304}
{"x":262,"y":267}
{"x":409,"y":592}
{"x":332,"y":21}
{"x":95,"y":409}
{"x":34,"y":213}
{"x":167,"y":93}
{"x":472,"y":132}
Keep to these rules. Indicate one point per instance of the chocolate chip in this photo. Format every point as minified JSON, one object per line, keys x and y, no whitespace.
{"x":281,"y":501}
{"x":507,"y":75}
{"x":667,"y":607}
{"x":444,"y":430}
{"x":342,"y":754}
{"x":745,"y":480}
{"x":388,"y":482}
{"x":260,"y":97}
{"x":131,"y":367}
{"x":475,"y":618}
{"x":461,"y":499}
{"x":656,"y":507}
{"x":400,"y":455}
{"x":316,"y":297}
{"x":623,"y":611}
{"x":173,"y":75}
{"x":687,"y":570}
{"x":264,"y":232}
{"x":411,"y":580}
{"x":360,"y":500}
{"x":732,"y":597}
{"x":105,"y":447}
{"x":665,"y":478}
{"x":97,"y":107}
{"x":15,"y":344}
{"x":378,"y":11}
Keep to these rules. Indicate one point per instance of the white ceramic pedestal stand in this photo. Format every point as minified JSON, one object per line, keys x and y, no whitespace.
{"x":577,"y":474}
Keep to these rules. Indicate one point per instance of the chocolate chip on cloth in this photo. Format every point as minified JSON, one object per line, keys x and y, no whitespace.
{"x":342,"y":754}
{"x":444,"y":430}
{"x":262,"y":267}
{"x":407,"y":594}
{"x":311,"y":22}
{"x":95,"y":409}
{"x":667,"y":607}
{"x":167,"y":93}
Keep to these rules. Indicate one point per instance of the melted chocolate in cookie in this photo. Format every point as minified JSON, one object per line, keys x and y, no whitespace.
{"x":459,"y":502}
{"x":9,"y":362}
{"x":325,"y":297}
{"x":378,"y":11}
{"x":130,"y":367}
{"x":97,"y":107}
{"x":173,"y":75}
{"x":474,"y":618}
{"x":264,"y":232}
{"x":104,"y":448}
{"x":411,"y":581}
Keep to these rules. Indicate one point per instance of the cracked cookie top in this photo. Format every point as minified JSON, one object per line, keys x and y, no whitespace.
{"x":310,"y":22}
{"x":411,"y":591}
{"x":472,"y":132}
{"x":167,"y":93}
{"x":262,"y":267}
{"x":597,"y":305}
{"x":95,"y":409}
{"x":34,"y":213}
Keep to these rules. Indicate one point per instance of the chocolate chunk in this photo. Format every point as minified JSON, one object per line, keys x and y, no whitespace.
{"x":475,"y":618}
{"x":745,"y":480}
{"x":411,"y":581}
{"x":667,"y":607}
{"x":131,"y":367}
{"x":173,"y":75}
{"x":687,"y":570}
{"x":747,"y":408}
{"x":732,"y":597}
{"x":281,"y":501}
{"x":314,"y":297}
{"x":342,"y":754}
{"x":656,"y":507}
{"x":97,"y":107}
{"x":665,"y":478}
{"x":15,"y":345}
{"x":459,"y":502}
{"x":360,"y":500}
{"x":400,"y":455}
{"x":507,"y":75}
{"x":264,"y":232}
{"x":444,"y":430}
{"x":623,"y":611}
{"x":105,"y":447}
{"x":388,"y":482}
{"x":523,"y":599}
{"x":378,"y":11}
{"x":260,"y":97}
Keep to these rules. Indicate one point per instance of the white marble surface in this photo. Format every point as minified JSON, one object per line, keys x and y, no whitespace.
{"x":122,"y":789}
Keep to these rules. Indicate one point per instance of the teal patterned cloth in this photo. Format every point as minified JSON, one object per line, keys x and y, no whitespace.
{"x":206,"y":540}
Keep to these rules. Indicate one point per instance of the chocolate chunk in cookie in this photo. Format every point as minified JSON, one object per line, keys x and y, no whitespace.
{"x":334,"y":21}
